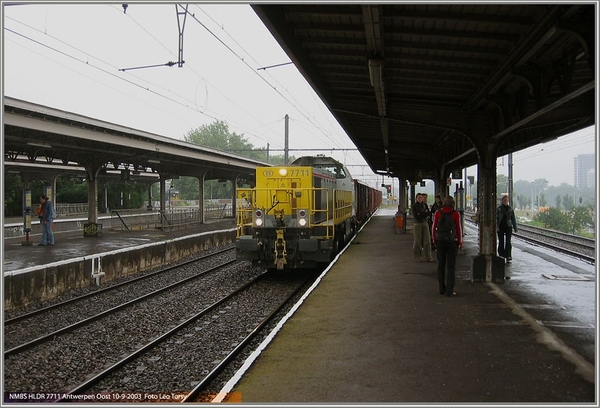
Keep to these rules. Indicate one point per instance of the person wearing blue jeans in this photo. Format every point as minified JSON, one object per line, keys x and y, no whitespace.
{"x":46,"y":219}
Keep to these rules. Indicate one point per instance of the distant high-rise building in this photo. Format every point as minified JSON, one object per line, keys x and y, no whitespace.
{"x":583,"y":164}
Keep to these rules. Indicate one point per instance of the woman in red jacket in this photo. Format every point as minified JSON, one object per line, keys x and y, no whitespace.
{"x":447,"y":237}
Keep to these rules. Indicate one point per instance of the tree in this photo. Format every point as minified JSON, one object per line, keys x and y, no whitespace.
{"x":188,"y":187}
{"x":568,"y":202}
{"x":581,"y":217}
{"x":71,"y":189}
{"x":13,"y":195}
{"x":554,"y":219}
{"x":543,"y":201}
{"x":558,"y":201}
{"x":218,"y":136}
{"x":125,"y":194}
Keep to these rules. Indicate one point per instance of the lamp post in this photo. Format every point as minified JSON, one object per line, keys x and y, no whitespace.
{"x":538,"y":196}
{"x":534,"y":188}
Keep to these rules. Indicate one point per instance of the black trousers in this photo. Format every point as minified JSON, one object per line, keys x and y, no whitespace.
{"x":446,"y":256}
{"x":504,"y":245}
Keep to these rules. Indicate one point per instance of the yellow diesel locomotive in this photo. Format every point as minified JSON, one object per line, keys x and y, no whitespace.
{"x":301,"y":215}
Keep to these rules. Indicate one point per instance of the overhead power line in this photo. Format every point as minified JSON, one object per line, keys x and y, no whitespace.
{"x":181,"y":26}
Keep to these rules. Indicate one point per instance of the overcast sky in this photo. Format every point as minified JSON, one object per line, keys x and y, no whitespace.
{"x":70,"y":57}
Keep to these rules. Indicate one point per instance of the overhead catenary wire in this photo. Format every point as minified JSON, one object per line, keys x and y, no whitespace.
{"x":157,"y":93}
{"x":252,"y":69}
{"x":87,"y":63}
{"x":182,"y":101}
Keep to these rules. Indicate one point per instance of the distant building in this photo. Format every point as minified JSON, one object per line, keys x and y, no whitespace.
{"x":584,"y":163}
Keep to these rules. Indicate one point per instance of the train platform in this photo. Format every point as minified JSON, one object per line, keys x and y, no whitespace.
{"x":33,"y":273}
{"x":72,"y":244}
{"x":376,"y":330}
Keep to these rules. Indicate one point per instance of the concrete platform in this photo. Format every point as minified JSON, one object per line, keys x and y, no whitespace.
{"x":37,"y":273}
{"x":376,"y":330}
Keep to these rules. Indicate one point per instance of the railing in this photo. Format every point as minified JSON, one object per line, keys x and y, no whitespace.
{"x":172,"y":218}
{"x":342,"y":209}
{"x":134,"y":219}
{"x":71,"y":209}
{"x":180,"y":219}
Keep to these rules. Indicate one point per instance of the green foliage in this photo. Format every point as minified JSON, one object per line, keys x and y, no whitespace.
{"x":558,"y":201}
{"x":13,"y":195}
{"x":124,"y":194}
{"x":575,"y":221}
{"x":568,"y":202}
{"x":71,"y":189}
{"x":188,"y":187}
{"x":542,"y":198}
{"x":554,"y":219}
{"x":218,"y":136}
{"x":580,"y":218}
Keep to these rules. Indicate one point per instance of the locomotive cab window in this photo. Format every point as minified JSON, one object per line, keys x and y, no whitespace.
{"x":338,"y":171}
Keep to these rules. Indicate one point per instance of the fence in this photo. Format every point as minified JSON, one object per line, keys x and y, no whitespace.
{"x":172,"y":218}
{"x":71,"y":209}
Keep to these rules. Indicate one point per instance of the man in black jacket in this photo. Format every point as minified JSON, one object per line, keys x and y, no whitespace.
{"x":505,"y":223}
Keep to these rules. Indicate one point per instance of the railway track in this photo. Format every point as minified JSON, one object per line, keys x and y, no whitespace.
{"x":573,"y":245}
{"x":175,"y":354}
{"x":35,"y":327}
{"x":178,"y":337}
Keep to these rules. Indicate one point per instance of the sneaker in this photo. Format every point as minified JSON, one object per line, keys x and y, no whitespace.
{"x":41,"y":244}
{"x":451,"y":294}
{"x":508,"y":260}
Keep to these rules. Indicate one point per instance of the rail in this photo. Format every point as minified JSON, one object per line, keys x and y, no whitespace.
{"x":580,"y":247}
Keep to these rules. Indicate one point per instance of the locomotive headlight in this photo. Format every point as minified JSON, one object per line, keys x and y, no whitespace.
{"x":301,"y":220}
{"x":283,"y":172}
{"x":258,"y":218}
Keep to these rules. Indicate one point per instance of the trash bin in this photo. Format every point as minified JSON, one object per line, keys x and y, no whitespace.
{"x":400,"y":222}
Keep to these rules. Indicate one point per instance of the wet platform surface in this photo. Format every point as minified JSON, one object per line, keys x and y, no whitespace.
{"x":376,"y":330}
{"x":72,"y":244}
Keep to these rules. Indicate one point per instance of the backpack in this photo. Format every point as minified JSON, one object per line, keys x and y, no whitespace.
{"x":446,"y":229}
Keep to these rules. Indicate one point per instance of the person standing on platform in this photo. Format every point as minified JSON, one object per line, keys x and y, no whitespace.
{"x":46,"y":219}
{"x":434,"y":207}
{"x":421,"y":236}
{"x":506,"y":222}
{"x":447,"y":237}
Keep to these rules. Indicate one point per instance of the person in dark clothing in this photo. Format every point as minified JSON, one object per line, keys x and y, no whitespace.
{"x":447,"y":247}
{"x":434,"y":207}
{"x":506,"y":222}
{"x":421,"y":236}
